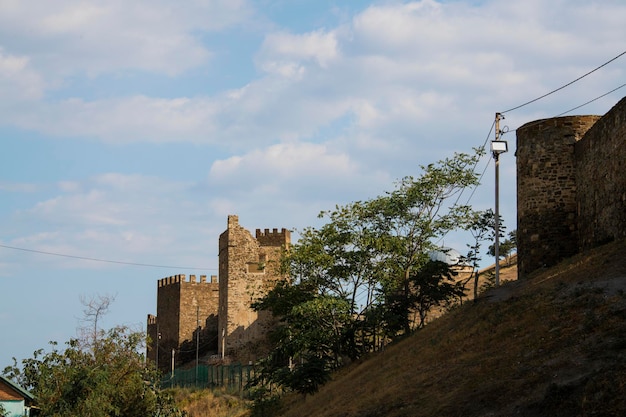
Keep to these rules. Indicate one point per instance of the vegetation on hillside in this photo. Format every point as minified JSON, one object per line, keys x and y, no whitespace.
{"x":550,"y":345}
{"x":358,"y":283}
{"x":209,"y":403}
{"x":100,"y":374}
{"x":365,"y":278}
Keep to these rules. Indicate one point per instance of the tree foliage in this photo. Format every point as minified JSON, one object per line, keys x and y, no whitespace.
{"x":482,"y":228}
{"x":433,"y":285}
{"x":105,"y":377}
{"x":506,"y":247}
{"x":360,"y":279}
{"x":409,"y":219}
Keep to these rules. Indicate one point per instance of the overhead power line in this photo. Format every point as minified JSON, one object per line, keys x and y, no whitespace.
{"x":479,"y":181}
{"x":476,"y":164}
{"x":591,"y":101}
{"x":572,"y":109}
{"x":532,"y":101}
{"x":85,"y":258}
{"x":563,"y":86}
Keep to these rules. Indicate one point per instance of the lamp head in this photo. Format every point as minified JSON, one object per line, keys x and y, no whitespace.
{"x":499,"y":146}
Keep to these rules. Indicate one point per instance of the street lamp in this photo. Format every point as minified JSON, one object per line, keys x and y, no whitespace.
{"x":497,"y":147}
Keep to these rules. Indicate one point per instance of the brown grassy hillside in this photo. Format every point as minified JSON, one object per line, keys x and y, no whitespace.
{"x":551,"y":345}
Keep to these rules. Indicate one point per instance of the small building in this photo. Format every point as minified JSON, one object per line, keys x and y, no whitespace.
{"x":15,"y":400}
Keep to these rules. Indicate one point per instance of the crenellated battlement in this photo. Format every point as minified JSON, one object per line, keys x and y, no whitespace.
{"x":181,"y":278}
{"x":215,"y":316}
{"x":273,"y":238}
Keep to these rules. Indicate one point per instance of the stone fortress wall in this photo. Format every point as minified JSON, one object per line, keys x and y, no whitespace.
{"x":186,"y":317}
{"x":571,"y":196}
{"x":215,"y":318}
{"x":248,"y":267}
{"x":571,"y":187}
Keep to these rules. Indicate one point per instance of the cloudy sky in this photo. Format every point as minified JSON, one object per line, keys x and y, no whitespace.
{"x":130,"y":130}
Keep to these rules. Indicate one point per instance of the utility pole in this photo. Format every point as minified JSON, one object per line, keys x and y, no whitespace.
{"x":157,"y":346}
{"x":197,"y":340}
{"x":223,"y":341}
{"x":497,"y":147}
{"x":172,"y":375}
{"x":173,"y":353}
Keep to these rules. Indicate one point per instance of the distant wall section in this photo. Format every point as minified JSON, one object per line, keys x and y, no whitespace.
{"x":601,"y":180}
{"x":186,"y":319}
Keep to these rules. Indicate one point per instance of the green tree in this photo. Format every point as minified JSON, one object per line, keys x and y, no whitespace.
{"x":309,"y":339}
{"x":482,"y":227}
{"x":360,"y":277}
{"x":506,"y":247}
{"x":106,"y":377}
{"x":407,"y":220}
{"x":432,"y":286}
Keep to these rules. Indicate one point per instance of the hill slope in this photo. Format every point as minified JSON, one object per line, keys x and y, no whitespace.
{"x":552,"y":345}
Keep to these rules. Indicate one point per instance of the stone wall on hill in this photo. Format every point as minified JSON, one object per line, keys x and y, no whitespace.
{"x":571,"y":189}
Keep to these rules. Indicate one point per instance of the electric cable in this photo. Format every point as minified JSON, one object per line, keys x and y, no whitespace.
{"x":479,"y":180}
{"x":590,"y":101}
{"x":85,"y":258}
{"x":572,"y":109}
{"x":475,"y":165}
{"x":564,"y":86}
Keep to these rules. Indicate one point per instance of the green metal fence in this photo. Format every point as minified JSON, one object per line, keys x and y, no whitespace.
{"x":234,"y":376}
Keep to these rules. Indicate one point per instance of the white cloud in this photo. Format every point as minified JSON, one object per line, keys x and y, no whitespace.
{"x":416,"y":27}
{"x":137,"y":118}
{"x":288,"y":173}
{"x":114,"y":35}
{"x":18,"y":80}
{"x":18,"y":187}
{"x":287,"y":49}
{"x":391,"y":71}
{"x":109,"y":201}
{"x":281,"y":161}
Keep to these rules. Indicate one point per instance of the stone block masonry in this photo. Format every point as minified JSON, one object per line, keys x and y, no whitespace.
{"x":248,"y":267}
{"x":570,"y":187}
{"x":186,"y":318}
{"x":215,"y":317}
{"x":546,"y":190}
{"x":601,"y":180}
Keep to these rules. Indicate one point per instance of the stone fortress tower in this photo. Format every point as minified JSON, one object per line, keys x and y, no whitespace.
{"x":546,"y":190}
{"x":214,"y":318}
{"x":571,"y":186}
{"x":186,"y":319}
{"x":248,"y":267}
{"x":571,"y":196}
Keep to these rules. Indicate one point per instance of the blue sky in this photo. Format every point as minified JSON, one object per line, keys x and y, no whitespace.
{"x":131,"y":130}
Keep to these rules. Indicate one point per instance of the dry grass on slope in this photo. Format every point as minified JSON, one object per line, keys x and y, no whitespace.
{"x":554,"y":344}
{"x":210,"y":403}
